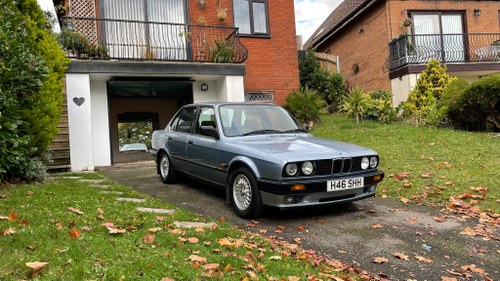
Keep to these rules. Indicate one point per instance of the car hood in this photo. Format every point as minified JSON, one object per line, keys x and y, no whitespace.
{"x":299,"y":147}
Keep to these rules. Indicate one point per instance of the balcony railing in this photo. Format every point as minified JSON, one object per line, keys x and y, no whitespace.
{"x":447,"y":48}
{"x":94,"y":38}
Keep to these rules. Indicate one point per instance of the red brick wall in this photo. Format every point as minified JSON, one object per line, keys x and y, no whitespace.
{"x":488,"y":21}
{"x":364,"y":43}
{"x":272,"y":62}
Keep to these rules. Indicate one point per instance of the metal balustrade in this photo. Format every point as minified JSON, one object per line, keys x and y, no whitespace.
{"x":446,"y":48}
{"x":94,"y":38}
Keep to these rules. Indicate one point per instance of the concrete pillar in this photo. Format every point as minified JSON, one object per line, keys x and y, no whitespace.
{"x":231,"y":88}
{"x":100,"y":123}
{"x":80,"y":122}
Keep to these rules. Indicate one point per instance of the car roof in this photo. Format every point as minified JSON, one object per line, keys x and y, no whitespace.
{"x":217,"y":104}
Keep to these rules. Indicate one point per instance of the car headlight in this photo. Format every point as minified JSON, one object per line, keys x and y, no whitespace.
{"x":291,"y":169}
{"x":307,"y":168}
{"x":373,"y":162}
{"x":365,"y":163}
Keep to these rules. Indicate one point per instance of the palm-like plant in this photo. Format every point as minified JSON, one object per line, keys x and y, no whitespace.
{"x":356,"y":103}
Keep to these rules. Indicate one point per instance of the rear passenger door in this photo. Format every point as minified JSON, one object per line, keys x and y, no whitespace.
{"x":177,"y":141}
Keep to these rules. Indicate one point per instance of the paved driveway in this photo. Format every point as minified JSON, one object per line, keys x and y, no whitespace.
{"x":356,"y":233}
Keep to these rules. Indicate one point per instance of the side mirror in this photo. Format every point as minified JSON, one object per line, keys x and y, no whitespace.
{"x":306,"y":127}
{"x":209,"y":131}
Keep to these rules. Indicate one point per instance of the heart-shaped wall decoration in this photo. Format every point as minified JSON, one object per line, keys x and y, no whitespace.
{"x":79,"y":101}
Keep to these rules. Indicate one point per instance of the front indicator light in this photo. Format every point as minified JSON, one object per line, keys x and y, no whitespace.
{"x":377,"y":178}
{"x":298,"y":187}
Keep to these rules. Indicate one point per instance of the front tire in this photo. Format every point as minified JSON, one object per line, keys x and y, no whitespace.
{"x":245,"y":195}
{"x":166,"y":169}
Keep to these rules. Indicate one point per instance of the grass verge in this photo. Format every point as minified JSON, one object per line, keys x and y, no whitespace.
{"x":425,"y":164}
{"x":36,"y":225}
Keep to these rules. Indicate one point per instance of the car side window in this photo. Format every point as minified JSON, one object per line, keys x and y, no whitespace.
{"x":206,"y":118}
{"x":182,"y":123}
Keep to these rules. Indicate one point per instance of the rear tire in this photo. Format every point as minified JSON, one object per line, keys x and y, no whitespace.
{"x":244,"y":193}
{"x":166,"y":169}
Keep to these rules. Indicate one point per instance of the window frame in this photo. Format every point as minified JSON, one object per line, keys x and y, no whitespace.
{"x":251,"y":15}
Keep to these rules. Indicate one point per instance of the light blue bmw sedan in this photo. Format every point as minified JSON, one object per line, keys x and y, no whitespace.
{"x":262,"y":156}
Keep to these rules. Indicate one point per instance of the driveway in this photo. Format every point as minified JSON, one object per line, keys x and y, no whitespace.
{"x":356,"y":233}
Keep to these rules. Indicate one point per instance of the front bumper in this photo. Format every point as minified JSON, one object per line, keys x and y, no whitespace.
{"x":275,"y":194}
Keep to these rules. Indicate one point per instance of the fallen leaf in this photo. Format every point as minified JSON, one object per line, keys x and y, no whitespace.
{"x":473,"y":268}
{"x":100,"y":211}
{"x":85,"y":228}
{"x":405,"y":200}
{"x":8,"y":231}
{"x":108,"y":224}
{"x":12,"y":215}
{"x":30,"y":193}
{"x":448,"y":165}
{"x":401,"y":256}
{"x":112,"y":230}
{"x":423,"y":259}
{"x":300,"y":228}
{"x":193,"y":240}
{"x":155,"y":229}
{"x":469,"y":232}
{"x":24,"y":222}
{"x":227,"y":268}
{"x":100,"y":217}
{"x":198,"y":259}
{"x":74,"y":233}
{"x":439,"y":219}
{"x":376,"y":226}
{"x":293,"y":278}
{"x":282,"y":227}
{"x":3,"y":218}
{"x":380,"y":260}
{"x":148,"y":238}
{"x":211,"y":266}
{"x":160,"y":218}
{"x":225,"y":242}
{"x":222,"y":219}
{"x":76,"y":211}
{"x":199,"y":229}
{"x":167,"y":279}
{"x":36,"y":266}
{"x":262,"y":231}
{"x":444,"y":278}
{"x":275,"y":258}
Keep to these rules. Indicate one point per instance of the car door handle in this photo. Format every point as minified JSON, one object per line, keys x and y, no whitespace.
{"x":190,"y":142}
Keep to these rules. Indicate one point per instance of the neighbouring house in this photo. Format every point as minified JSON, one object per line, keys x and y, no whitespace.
{"x":138,"y":61}
{"x":385,"y":44}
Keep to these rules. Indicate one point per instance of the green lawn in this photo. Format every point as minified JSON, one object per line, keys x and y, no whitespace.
{"x":425,"y":164}
{"x":37,"y":226}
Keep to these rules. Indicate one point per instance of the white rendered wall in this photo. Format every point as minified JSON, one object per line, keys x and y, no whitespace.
{"x":204,"y":96}
{"x":231,"y":88}
{"x":100,"y":123}
{"x":401,"y":87}
{"x":80,"y":122}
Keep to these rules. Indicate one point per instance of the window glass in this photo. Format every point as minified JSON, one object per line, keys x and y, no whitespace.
{"x":186,"y":118}
{"x":242,"y":16}
{"x":206,"y":118}
{"x":259,"y":18}
{"x":251,"y":16}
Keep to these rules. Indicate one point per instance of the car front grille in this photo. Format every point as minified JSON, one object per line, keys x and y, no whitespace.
{"x":338,"y":166}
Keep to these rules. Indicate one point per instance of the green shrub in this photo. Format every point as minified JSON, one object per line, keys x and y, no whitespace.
{"x":479,"y":105}
{"x":305,"y":105}
{"x":421,"y":102}
{"x":330,"y":86}
{"x":380,"y":107}
{"x":450,"y":100}
{"x":31,"y":67}
{"x":356,"y":103}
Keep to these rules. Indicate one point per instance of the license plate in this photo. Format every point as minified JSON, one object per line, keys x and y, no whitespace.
{"x":344,"y":184}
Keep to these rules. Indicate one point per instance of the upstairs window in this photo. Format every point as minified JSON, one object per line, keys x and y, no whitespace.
{"x":251,"y":16}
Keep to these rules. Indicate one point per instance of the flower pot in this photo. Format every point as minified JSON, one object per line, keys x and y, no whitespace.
{"x":222,"y":14}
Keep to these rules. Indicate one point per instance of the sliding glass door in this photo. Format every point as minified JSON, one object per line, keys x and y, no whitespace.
{"x":145,"y":29}
{"x":439,"y":36}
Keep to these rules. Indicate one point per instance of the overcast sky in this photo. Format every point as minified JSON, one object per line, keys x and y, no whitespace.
{"x":309,"y":14}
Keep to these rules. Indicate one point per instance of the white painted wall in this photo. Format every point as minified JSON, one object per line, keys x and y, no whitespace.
{"x":204,"y":96}
{"x":100,"y":123}
{"x":401,"y":87}
{"x":80,"y":122}
{"x":230,"y":88}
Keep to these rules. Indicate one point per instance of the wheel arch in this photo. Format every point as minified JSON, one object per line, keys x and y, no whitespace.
{"x":236,"y":163}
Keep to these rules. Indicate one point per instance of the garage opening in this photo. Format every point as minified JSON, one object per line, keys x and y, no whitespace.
{"x":138,"y":107}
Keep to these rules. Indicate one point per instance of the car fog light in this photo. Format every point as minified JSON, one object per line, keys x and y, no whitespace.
{"x":291,"y":199}
{"x":373,"y":187}
{"x":365,"y":163}
{"x":373,"y":162}
{"x":291,"y":169}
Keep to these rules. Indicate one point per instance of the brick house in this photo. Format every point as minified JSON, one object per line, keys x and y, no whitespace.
{"x":149,"y":57}
{"x":384,"y":44}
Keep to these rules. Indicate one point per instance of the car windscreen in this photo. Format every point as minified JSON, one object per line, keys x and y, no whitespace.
{"x":241,"y":120}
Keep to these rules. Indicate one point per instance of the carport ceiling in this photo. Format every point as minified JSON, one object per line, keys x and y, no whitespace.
{"x":149,"y":89}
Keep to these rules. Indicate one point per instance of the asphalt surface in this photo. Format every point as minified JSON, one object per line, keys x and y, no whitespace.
{"x":355,"y":233}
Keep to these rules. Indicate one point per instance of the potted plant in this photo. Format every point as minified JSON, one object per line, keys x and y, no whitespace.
{"x":223,"y":52}
{"x":221,"y":12}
